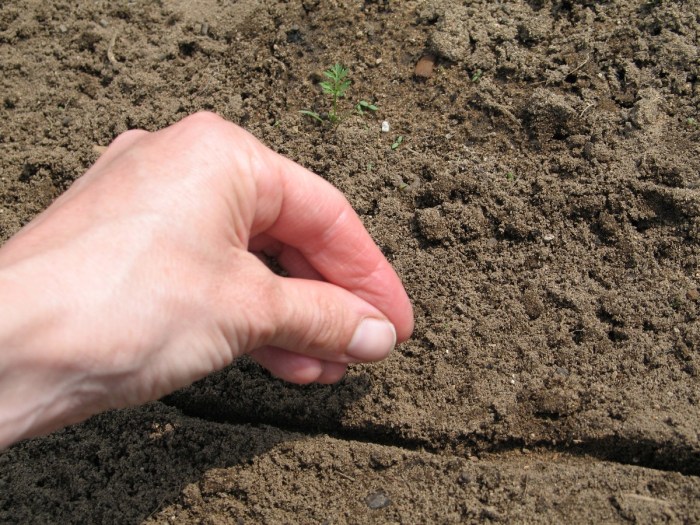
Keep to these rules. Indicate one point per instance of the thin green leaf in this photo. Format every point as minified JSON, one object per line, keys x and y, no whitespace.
{"x":311,"y":114}
{"x":363,"y":106}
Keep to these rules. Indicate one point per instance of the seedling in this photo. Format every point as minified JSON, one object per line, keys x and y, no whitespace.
{"x":510,"y":176}
{"x":397,"y":142}
{"x":336,"y":87}
{"x":477,"y":76}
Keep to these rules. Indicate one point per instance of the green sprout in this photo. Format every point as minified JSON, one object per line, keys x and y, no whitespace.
{"x":312,"y":114}
{"x":397,"y":142}
{"x":477,"y":76}
{"x":510,"y":176}
{"x":363,"y":106}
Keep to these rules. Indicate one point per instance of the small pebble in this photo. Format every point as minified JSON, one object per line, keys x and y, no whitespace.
{"x":377,"y":500}
{"x":62,"y":28}
{"x":693,"y":294}
{"x":548,"y":237}
{"x":385,"y":126}
{"x":103,"y":22}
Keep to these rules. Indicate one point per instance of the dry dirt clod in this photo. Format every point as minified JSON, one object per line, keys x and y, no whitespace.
{"x":377,"y":500}
{"x":425,"y":66}
{"x":693,"y":294}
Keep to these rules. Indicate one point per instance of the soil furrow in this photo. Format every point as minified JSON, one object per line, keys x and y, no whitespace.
{"x":641,"y":453}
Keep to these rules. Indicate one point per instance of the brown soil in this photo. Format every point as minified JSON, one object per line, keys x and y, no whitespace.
{"x":543,"y":210}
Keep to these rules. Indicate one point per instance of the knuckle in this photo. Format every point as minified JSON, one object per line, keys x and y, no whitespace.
{"x":203,"y":127}
{"x":203,"y":118}
{"x":211,"y":130}
{"x":129,"y":136}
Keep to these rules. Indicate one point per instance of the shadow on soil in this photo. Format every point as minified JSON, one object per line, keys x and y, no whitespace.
{"x":119,"y":467}
{"x":123,"y":466}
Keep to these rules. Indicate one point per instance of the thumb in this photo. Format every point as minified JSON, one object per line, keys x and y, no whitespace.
{"x":324,"y":321}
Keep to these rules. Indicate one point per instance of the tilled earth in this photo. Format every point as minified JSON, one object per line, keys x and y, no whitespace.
{"x":542,"y":208}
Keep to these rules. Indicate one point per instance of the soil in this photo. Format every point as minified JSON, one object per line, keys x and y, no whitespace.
{"x":542,"y":208}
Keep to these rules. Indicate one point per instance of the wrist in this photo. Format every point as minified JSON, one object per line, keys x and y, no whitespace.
{"x":38,"y":375}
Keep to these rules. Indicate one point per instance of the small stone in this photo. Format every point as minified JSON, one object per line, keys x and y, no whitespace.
{"x":378,"y":61}
{"x":62,"y":28}
{"x":205,"y":29}
{"x":385,"y":126}
{"x":377,"y":500}
{"x":425,"y":66}
{"x":464,"y":478}
{"x":548,"y":237}
{"x":692,"y":294}
{"x":104,"y":22}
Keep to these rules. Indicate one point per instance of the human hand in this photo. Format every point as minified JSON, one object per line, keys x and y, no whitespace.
{"x":143,"y":277}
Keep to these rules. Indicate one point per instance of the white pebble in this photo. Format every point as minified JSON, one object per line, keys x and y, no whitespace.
{"x":548,"y":237}
{"x":385,"y":126}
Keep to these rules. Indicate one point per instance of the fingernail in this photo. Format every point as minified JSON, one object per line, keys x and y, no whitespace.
{"x":373,"y":340}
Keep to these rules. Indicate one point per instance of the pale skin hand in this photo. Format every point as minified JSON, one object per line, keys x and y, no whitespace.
{"x":143,"y":277}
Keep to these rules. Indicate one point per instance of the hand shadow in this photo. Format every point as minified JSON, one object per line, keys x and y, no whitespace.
{"x":122,"y":466}
{"x":247,"y":393}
